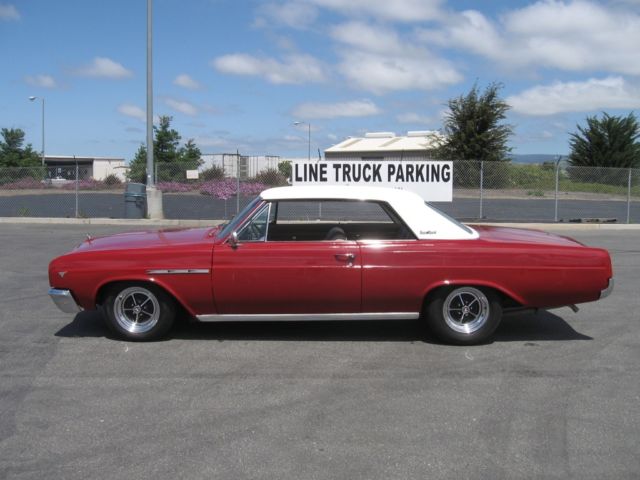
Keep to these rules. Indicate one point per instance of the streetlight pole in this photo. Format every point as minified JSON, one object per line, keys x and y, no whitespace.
{"x":32,"y":98}
{"x":150,"y":179}
{"x":154,"y":196}
{"x":309,"y":137}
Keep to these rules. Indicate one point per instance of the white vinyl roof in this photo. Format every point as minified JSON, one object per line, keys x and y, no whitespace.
{"x":389,"y":142}
{"x":426,"y":222}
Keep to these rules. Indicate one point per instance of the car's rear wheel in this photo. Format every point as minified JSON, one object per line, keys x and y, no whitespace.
{"x":139,"y":311}
{"x":464,"y":315}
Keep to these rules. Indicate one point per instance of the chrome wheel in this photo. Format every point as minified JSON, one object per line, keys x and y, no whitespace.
{"x":136,"y":310}
{"x":466,"y":310}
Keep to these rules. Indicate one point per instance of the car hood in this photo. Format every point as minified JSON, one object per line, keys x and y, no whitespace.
{"x":522,"y":235}
{"x":148,"y":239}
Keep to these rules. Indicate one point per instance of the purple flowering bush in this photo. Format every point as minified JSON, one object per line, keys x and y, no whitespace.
{"x":178,"y":187}
{"x":27,"y":183}
{"x":91,"y":184}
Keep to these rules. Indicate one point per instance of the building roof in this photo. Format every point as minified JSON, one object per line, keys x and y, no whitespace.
{"x":416,"y":141}
{"x":71,"y":158}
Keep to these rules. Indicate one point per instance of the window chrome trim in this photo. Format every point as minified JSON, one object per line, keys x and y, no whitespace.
{"x":266,"y":206}
{"x":307,"y":317}
{"x":177,"y":271}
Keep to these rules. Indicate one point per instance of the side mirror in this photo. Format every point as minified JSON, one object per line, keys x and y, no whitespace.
{"x":233,"y":240}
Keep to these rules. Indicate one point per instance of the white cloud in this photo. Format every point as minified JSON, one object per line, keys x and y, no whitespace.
{"x":355,"y":108}
{"x":381,"y":74}
{"x":105,"y":68}
{"x":185,"y":81}
{"x":576,"y":35}
{"x":132,"y":111}
{"x":8,"y":12}
{"x":415,"y":118}
{"x":181,"y":106}
{"x":561,"y":97}
{"x":290,"y":14}
{"x":206,"y":141}
{"x":294,"y":69}
{"x":43,"y":81}
{"x":391,"y":10}
{"x":376,"y":59}
{"x":369,"y":38}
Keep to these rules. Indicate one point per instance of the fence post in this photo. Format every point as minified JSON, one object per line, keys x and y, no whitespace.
{"x":74,"y":157}
{"x":555,"y":212}
{"x":481,"y":186}
{"x":629,"y":197}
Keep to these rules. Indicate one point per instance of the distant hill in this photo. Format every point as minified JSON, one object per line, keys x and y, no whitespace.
{"x":533,"y":158}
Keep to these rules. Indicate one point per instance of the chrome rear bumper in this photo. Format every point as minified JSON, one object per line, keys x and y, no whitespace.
{"x":64,"y":300}
{"x":607,"y":291}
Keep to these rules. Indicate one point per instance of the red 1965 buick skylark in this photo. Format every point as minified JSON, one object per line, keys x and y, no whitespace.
{"x":329,"y":253}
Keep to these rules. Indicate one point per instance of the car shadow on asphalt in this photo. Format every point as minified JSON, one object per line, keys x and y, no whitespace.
{"x":522,"y":327}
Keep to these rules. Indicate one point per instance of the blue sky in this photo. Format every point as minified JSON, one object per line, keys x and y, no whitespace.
{"x":237,"y":74}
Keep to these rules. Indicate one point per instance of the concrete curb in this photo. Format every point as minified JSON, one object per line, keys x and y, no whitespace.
{"x":211,"y":223}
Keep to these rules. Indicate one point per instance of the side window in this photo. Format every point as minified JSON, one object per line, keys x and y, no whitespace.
{"x":255,"y":230}
{"x":335,"y":220}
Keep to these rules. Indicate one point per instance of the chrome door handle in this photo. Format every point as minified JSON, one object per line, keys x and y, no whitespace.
{"x":345,"y":257}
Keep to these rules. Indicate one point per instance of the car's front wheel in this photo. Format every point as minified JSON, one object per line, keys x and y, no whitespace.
{"x":139,"y":312}
{"x":464,"y":315}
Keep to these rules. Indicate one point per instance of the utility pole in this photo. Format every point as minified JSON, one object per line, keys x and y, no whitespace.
{"x":154,"y":196}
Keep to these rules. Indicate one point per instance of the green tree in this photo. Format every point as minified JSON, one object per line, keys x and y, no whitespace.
{"x":609,"y":141}
{"x":12,"y":151}
{"x":475,"y":130}
{"x":138,"y":166}
{"x":166,"y":142}
{"x":171,"y":160}
{"x":474,"y":126}
{"x":190,"y":155}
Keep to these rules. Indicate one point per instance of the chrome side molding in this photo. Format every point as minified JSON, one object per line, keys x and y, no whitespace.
{"x":307,"y":317}
{"x":178,"y":271}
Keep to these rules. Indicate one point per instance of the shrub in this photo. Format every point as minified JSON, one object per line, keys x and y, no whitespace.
{"x":216,"y":172}
{"x":271,"y":177}
{"x":112,"y":180}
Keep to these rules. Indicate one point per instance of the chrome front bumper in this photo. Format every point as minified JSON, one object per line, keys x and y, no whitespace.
{"x":607,"y":291}
{"x":64,"y":300}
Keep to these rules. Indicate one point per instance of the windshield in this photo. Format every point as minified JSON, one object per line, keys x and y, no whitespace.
{"x":235,"y":221}
{"x":452,"y":220}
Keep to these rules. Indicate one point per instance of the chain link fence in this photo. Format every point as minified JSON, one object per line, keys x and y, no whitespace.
{"x":485,"y":191}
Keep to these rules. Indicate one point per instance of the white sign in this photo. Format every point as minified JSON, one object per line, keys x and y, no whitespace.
{"x":192,"y":174}
{"x":432,"y":180}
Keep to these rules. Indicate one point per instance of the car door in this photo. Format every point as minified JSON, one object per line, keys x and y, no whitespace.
{"x":261,"y":277}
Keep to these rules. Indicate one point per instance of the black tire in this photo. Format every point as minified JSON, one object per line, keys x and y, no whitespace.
{"x":463,"y":315}
{"x":139,"y":311}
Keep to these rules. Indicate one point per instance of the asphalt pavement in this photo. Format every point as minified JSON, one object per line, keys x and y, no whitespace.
{"x":556,"y":395}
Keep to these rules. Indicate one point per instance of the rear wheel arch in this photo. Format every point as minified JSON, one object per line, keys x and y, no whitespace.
{"x":506,"y":297}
